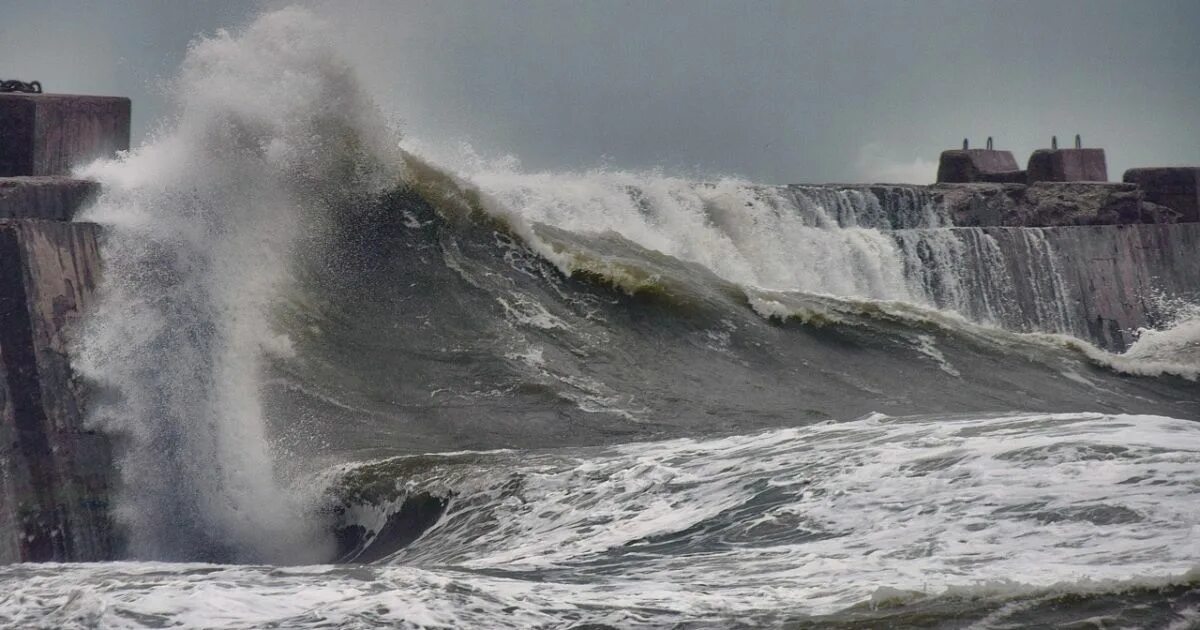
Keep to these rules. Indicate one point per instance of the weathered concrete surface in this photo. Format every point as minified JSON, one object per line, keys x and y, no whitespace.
{"x":49,"y":134}
{"x":52,"y":198}
{"x":1177,"y":188}
{"x":1067,"y":165}
{"x":1098,"y":283}
{"x":55,"y":475}
{"x":1047,"y":204}
{"x":978,"y":165}
{"x":1115,"y":272}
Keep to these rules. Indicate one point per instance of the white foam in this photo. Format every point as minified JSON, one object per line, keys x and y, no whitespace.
{"x":901,"y":509}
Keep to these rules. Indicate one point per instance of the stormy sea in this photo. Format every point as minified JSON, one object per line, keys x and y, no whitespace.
{"x":357,"y":379}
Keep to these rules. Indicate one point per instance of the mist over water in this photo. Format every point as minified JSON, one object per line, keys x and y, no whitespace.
{"x":552,"y":399}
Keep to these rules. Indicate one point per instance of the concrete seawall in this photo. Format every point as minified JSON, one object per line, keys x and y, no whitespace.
{"x":1098,"y":283}
{"x":53,"y":198}
{"x":49,"y":134}
{"x":1114,"y":274}
{"x":55,"y":475}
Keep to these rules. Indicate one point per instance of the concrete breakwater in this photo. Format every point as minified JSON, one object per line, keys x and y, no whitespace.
{"x":1081,"y":258}
{"x":56,"y":475}
{"x":1099,"y":283}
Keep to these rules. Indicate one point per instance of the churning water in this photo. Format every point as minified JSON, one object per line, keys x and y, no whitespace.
{"x":358,"y":386}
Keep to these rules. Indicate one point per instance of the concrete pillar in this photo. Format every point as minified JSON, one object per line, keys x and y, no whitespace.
{"x":50,"y":198}
{"x":1067,"y":165}
{"x":55,"y":474}
{"x":1177,"y":188}
{"x":50,"y":134}
{"x":977,"y":165}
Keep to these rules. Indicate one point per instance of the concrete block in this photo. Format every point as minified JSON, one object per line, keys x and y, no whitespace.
{"x":1047,"y":204}
{"x":55,"y":474}
{"x":50,"y":134}
{"x":1177,"y":188}
{"x":1067,"y":165}
{"x":962,"y":166}
{"x":51,"y":198}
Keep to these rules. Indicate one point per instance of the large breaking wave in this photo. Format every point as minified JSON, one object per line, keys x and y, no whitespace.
{"x":298,"y":316}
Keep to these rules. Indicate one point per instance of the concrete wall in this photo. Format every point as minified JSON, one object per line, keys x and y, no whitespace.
{"x":1098,"y":283}
{"x":1048,"y":204}
{"x":1177,"y":188}
{"x":55,"y":474}
{"x":1115,"y":271}
{"x":1067,"y":165}
{"x":50,"y":198}
{"x":49,"y":134}
{"x":978,"y":165}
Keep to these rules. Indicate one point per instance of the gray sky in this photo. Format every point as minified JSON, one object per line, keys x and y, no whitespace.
{"x":776,"y":91}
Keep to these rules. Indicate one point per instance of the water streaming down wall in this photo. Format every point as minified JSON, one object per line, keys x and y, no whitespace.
{"x":1098,"y":283}
{"x":882,"y":207}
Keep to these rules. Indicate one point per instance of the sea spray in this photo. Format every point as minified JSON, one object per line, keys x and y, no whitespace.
{"x":270,"y":134}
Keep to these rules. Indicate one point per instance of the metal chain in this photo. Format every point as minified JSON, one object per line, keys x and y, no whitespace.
{"x":33,"y":87}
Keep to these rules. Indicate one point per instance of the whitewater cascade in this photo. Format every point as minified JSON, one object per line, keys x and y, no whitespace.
{"x":270,"y":131}
{"x":882,"y":242}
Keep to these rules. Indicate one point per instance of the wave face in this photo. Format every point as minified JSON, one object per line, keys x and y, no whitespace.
{"x":555,"y":399}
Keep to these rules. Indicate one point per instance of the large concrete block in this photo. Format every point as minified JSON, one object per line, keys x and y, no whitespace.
{"x":1047,"y":204}
{"x":1177,"y":188}
{"x":1067,"y":165}
{"x":55,"y":474}
{"x":50,"y":134}
{"x":963,"y":166}
{"x":51,"y":198}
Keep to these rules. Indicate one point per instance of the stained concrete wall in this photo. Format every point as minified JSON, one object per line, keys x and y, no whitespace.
{"x":1098,"y":283}
{"x":1067,"y":165}
{"x":1177,"y":188}
{"x":49,"y":134}
{"x":1116,"y":271}
{"x":52,"y":198}
{"x":1048,"y":204}
{"x":55,"y":474}
{"x":978,"y":165}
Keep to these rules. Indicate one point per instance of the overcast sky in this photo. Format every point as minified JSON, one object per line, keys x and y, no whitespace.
{"x":775,"y":91}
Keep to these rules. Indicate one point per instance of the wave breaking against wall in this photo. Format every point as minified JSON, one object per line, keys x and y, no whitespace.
{"x":285,"y":287}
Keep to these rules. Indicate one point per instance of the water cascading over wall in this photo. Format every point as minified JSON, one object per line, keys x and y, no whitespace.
{"x":898,"y":242}
{"x":1099,"y":283}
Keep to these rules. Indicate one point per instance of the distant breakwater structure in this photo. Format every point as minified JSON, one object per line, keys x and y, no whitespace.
{"x":1053,"y":248}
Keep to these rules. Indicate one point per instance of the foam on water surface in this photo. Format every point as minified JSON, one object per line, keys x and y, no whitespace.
{"x":794,"y":522}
